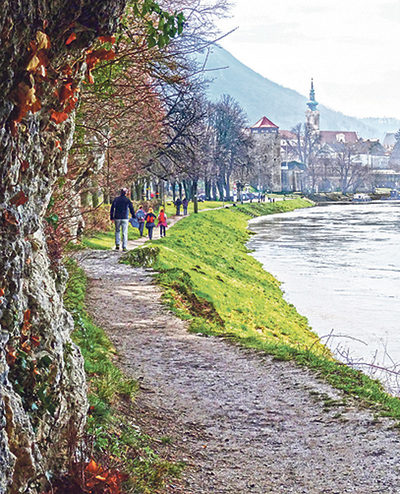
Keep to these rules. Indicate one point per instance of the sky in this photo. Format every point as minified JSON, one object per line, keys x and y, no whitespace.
{"x":349,"y":47}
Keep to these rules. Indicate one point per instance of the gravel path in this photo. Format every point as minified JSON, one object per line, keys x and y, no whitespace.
{"x":243,"y":422}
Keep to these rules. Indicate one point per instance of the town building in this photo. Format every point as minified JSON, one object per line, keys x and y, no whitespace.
{"x":266,"y":155}
{"x":323,"y":160}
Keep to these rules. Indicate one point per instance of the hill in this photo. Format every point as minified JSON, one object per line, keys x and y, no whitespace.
{"x":260,"y":96}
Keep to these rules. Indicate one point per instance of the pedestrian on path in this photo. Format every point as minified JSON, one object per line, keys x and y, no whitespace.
{"x":185,"y":204}
{"x":140,"y":216}
{"x":162,"y":222}
{"x":119,"y":214}
{"x":178,"y":204}
{"x":150,"y":217}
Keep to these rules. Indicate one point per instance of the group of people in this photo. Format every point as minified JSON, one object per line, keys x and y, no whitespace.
{"x":178,"y":203}
{"x":119,"y":214}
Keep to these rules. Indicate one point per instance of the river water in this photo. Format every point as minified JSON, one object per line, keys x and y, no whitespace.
{"x":340,"y":267}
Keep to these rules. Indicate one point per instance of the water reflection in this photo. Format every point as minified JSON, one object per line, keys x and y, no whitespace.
{"x":340,"y":266}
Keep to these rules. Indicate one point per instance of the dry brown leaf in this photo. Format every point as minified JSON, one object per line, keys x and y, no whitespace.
{"x":43,"y":41}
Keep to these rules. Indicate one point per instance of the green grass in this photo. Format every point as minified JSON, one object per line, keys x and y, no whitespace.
{"x":210,"y":279}
{"x":170,"y":209}
{"x":111,"y":432}
{"x":106,"y":240}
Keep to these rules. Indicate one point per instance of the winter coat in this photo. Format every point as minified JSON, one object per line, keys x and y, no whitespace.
{"x":162,"y":219}
{"x":150,"y":217}
{"x":140,"y":215}
{"x":120,"y":208}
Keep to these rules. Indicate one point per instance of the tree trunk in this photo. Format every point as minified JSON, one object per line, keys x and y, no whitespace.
{"x":214,"y":191}
{"x":33,"y":154}
{"x":207,"y":189}
{"x":227,"y":187}
{"x":187,"y":185}
{"x":220,"y":186}
{"x":180,"y":190}
{"x":173,"y":186}
{"x":195,"y":201}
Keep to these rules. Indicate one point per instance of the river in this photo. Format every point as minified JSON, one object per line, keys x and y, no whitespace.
{"x":340,"y":267}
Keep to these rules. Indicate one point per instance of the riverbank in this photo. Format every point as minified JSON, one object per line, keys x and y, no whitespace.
{"x":210,"y":280}
{"x":238,"y":418}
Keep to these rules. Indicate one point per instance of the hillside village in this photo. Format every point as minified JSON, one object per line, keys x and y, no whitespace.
{"x":310,"y":159}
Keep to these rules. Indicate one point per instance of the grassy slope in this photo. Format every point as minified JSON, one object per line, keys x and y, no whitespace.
{"x":210,"y":279}
{"x":207,"y":252}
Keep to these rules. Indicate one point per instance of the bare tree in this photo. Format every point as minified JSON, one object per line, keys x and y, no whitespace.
{"x":231,"y":141}
{"x":309,"y":151}
{"x":349,"y":170}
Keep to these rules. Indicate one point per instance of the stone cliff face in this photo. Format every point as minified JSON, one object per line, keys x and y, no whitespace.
{"x":42,"y":385}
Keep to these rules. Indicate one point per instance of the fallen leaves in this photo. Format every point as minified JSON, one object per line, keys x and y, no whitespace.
{"x":42,"y":41}
{"x":19,"y":199}
{"x":24,"y":166}
{"x":10,"y":218}
{"x":26,"y":101}
{"x":59,"y":116}
{"x":107,"y":39}
{"x":71,"y":38}
{"x":25,"y":95}
{"x":11,"y":355}
{"x":94,"y":57}
{"x":101,"y":480}
{"x":26,"y":325}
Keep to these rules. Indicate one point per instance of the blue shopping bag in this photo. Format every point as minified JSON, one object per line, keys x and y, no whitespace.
{"x":134,"y":222}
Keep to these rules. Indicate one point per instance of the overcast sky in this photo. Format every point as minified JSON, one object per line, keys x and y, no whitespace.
{"x":350,"y":47}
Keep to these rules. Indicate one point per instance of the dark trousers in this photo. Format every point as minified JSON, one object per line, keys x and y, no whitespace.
{"x":162,"y":231}
{"x":150,"y":230}
{"x":178,"y":210}
{"x":141,"y":228}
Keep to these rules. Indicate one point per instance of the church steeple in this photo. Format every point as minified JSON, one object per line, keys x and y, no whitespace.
{"x":312,"y":114}
{"x":312,"y":104}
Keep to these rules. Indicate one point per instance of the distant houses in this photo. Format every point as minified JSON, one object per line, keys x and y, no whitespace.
{"x":308,"y":159}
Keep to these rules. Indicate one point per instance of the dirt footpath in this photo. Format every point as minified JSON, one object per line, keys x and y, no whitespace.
{"x":242,"y":422}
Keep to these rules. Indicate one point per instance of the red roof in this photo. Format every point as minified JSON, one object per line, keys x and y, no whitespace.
{"x":332,"y":136}
{"x":264,"y":123}
{"x":287,"y":134}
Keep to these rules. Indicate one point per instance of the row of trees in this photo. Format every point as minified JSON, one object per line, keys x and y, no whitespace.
{"x":145,"y":122}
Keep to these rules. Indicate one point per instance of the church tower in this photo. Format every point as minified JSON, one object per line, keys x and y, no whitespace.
{"x":312,"y":114}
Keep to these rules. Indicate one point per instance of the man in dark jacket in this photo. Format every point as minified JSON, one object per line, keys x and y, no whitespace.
{"x":178,"y":204}
{"x":119,"y":213}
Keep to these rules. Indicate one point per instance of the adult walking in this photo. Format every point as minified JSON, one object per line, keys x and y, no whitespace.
{"x":162,"y":222}
{"x":140,"y":216}
{"x":150,"y":217}
{"x":119,"y":214}
{"x":185,"y":204}
{"x":178,"y":204}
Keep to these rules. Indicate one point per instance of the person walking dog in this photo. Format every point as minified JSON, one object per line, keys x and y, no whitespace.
{"x":119,"y":214}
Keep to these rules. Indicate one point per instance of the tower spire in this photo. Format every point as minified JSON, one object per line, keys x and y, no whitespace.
{"x":312,"y":104}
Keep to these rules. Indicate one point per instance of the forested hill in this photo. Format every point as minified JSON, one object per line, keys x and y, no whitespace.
{"x":260,"y":96}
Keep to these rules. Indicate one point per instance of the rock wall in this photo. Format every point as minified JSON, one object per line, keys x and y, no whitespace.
{"x":42,"y":386}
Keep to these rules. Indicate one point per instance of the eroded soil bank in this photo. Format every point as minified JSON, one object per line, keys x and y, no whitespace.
{"x":241,"y":421}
